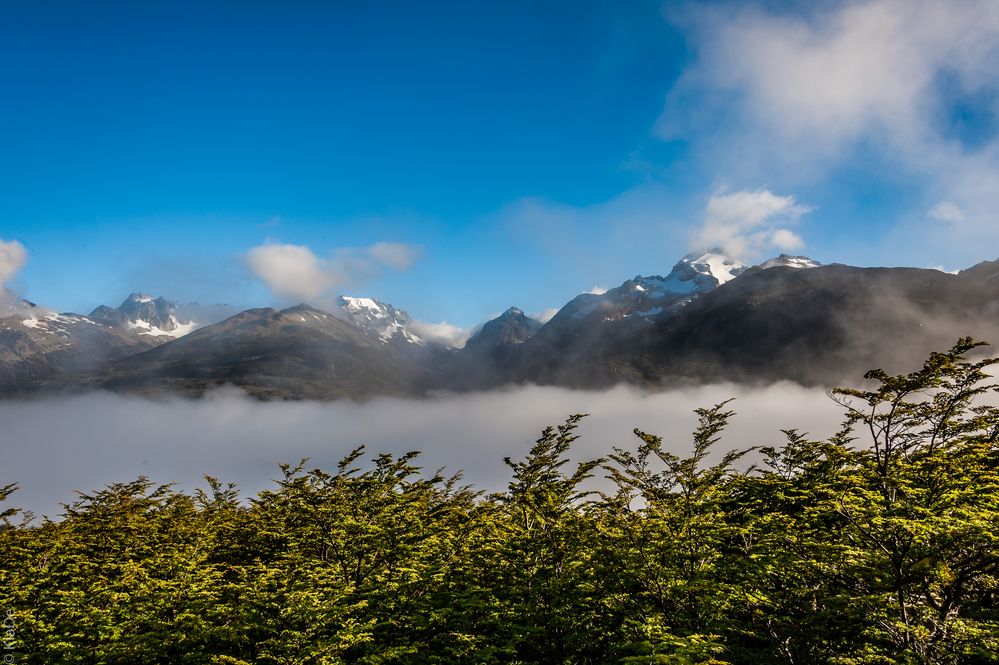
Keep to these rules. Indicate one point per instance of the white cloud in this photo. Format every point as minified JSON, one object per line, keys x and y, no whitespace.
{"x":746,"y":223}
{"x":786,"y":240}
{"x":597,"y":290}
{"x":294,"y":271}
{"x":795,"y":96}
{"x":13,"y":256}
{"x":835,"y":75}
{"x":443,"y":332}
{"x":545,"y":315}
{"x":945,"y":211}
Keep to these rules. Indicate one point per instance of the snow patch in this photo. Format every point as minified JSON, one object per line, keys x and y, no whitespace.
{"x":784,"y":260}
{"x":719,"y":266}
{"x":363,"y":304}
{"x":146,"y":328}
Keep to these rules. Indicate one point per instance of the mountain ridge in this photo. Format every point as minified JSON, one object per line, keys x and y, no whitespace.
{"x":709,"y":319}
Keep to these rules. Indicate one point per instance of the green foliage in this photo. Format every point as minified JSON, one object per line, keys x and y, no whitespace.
{"x":880,"y":545}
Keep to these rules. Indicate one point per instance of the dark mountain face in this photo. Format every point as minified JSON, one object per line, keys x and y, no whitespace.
{"x":985,"y":274}
{"x":39,"y":347}
{"x":294,"y":353}
{"x":647,"y":298}
{"x":821,"y":326}
{"x":511,"y":327}
{"x":710,"y":319}
{"x":484,"y":360}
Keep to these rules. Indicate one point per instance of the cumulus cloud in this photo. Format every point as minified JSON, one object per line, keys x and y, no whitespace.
{"x":295,"y":272}
{"x":597,"y":290}
{"x":746,"y":223}
{"x":443,"y":332}
{"x":798,"y":94}
{"x":53,"y":447}
{"x":13,"y":256}
{"x":292,"y":270}
{"x":786,"y":240}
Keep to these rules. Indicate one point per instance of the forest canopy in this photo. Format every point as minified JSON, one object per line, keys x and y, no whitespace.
{"x":878,"y":545}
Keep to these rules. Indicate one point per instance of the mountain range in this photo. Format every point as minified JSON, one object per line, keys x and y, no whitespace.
{"x":711,"y":318}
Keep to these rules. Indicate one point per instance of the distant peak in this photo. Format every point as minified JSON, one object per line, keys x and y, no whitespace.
{"x":140,"y":298}
{"x":357,"y":304}
{"x":381,"y":319}
{"x":301,"y":307}
{"x":510,"y":327}
{"x":712,"y":264}
{"x":788,"y":261}
{"x":145,"y":314}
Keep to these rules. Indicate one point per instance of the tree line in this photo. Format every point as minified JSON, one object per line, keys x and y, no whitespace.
{"x":878,"y":545}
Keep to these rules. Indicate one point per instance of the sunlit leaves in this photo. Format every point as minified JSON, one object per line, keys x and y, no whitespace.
{"x":880,"y":545}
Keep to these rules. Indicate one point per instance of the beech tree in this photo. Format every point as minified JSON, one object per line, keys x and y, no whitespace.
{"x":877,"y":545}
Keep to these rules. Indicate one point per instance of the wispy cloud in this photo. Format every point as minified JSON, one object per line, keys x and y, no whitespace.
{"x":395,"y":254}
{"x":837,"y":75}
{"x":638,"y":220}
{"x":13,"y":256}
{"x":746,"y":223}
{"x":799,"y":94}
{"x":545,"y":315}
{"x":295,"y":272}
{"x":945,"y":211}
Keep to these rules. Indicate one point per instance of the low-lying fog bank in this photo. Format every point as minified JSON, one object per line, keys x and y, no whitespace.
{"x":55,"y":446}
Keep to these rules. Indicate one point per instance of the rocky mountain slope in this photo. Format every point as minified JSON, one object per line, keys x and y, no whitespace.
{"x":786,"y":319}
{"x":38,"y":346}
{"x":709,"y":319}
{"x":297,"y":353}
{"x":146,"y":315}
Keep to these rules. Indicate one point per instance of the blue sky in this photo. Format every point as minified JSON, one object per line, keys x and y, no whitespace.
{"x":456,"y":158}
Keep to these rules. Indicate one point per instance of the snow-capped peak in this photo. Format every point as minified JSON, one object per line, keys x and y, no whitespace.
{"x":379,"y":318}
{"x":146,"y":315}
{"x":712,"y":264}
{"x":651,"y":296}
{"x":789,"y":261}
{"x":369,"y":305}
